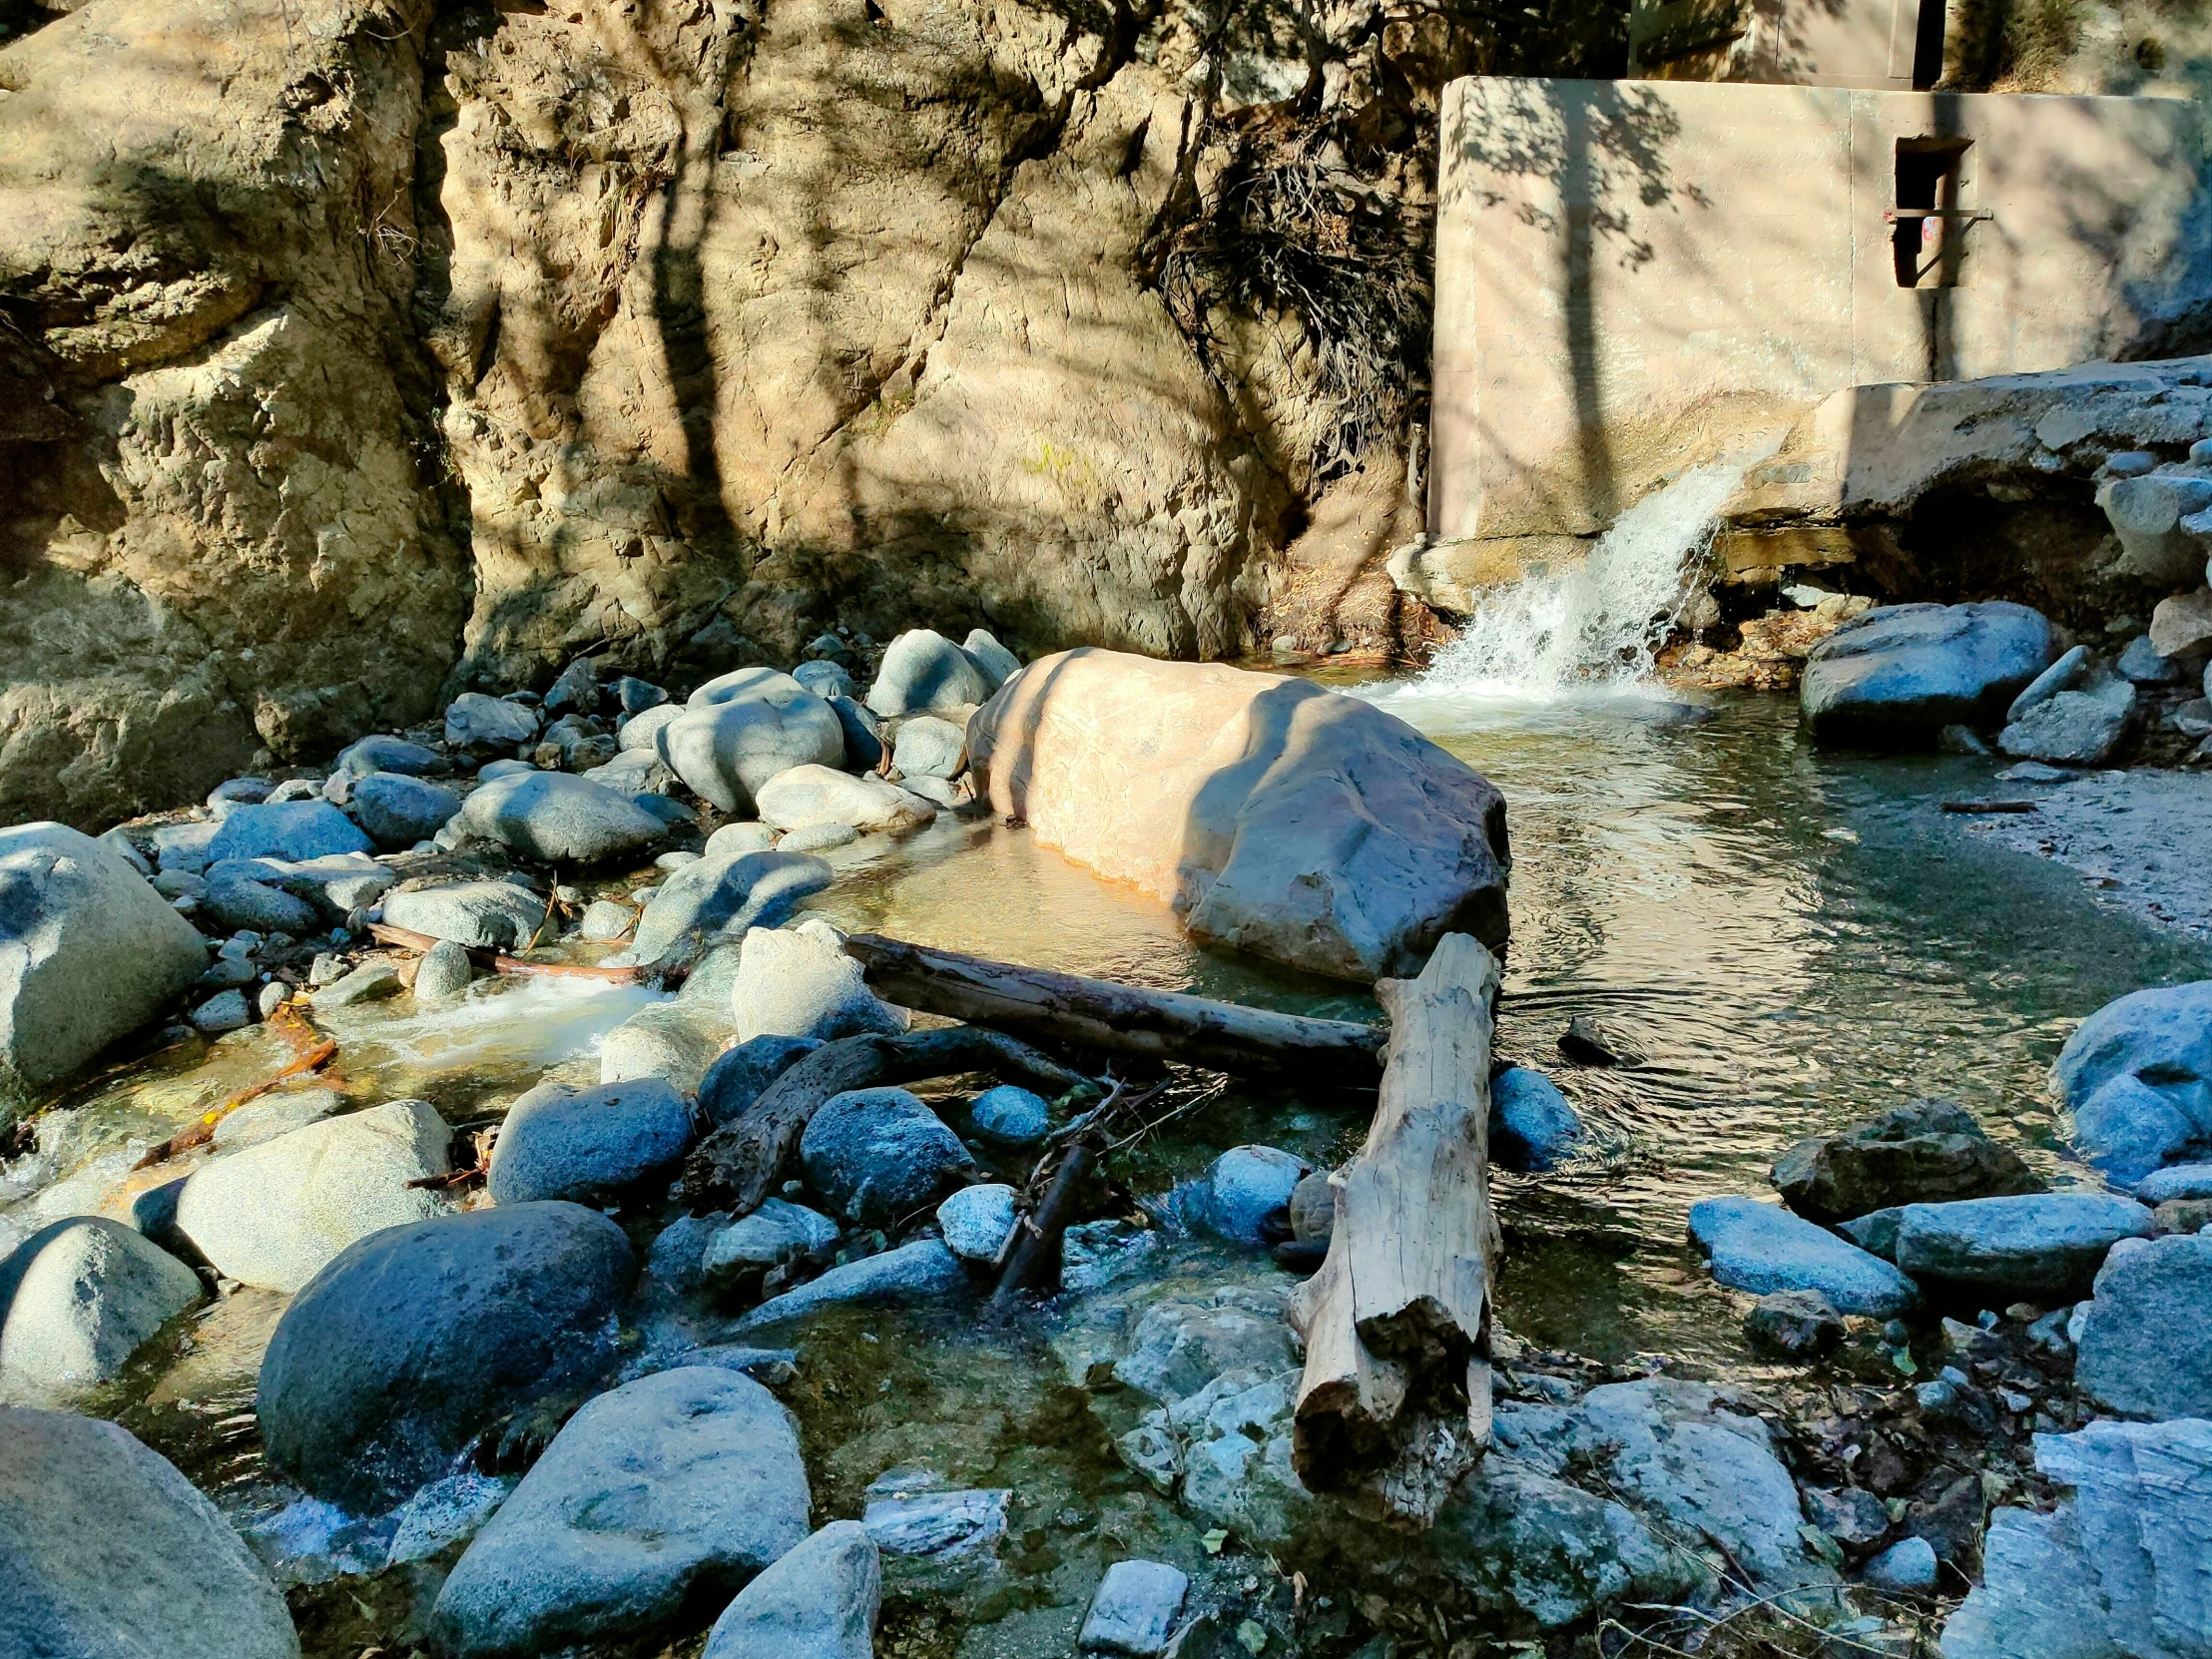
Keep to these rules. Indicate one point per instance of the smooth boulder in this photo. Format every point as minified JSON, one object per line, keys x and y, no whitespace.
{"x":739,"y":1076}
{"x":557,"y":1142}
{"x":273,"y":1215}
{"x":742,"y":729}
{"x":1248,"y":1184}
{"x":555,"y":818}
{"x":1899,"y":673}
{"x":415,"y":1340}
{"x":668,"y":1492}
{"x":2137,"y":1075}
{"x":877,"y":1156}
{"x":89,"y":952}
{"x":1761,"y":1248}
{"x":819,"y":1602}
{"x":812,"y":797}
{"x":2049,"y":1244}
{"x":922,"y":672}
{"x":1273,"y":815}
{"x":975,"y":1221}
{"x":108,"y":1552}
{"x":78,"y":1299}
{"x":294,"y":830}
{"x":2146,"y":1343}
{"x":670,"y":1041}
{"x":475,"y":720}
{"x":1010,"y":1116}
{"x":400,"y":810}
{"x":927,"y":747}
{"x":1924,"y":1152}
{"x":731,"y":895}
{"x":1532,"y":1125}
{"x":494,"y":915}
{"x":798,"y":982}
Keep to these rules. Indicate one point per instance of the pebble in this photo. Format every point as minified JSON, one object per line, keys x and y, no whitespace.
{"x":1907,"y":1565}
{"x":976,"y":1220}
{"x":225,"y":1011}
{"x":274,"y":996}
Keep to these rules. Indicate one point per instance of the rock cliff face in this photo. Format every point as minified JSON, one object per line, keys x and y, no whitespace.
{"x":355,"y":350}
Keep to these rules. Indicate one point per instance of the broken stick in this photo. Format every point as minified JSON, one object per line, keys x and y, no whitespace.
{"x":315,"y":1052}
{"x":1394,"y":1403}
{"x":406,"y":938}
{"x":1112,"y":1018}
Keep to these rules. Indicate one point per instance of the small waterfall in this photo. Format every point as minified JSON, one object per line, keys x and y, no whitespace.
{"x":1594,"y":627}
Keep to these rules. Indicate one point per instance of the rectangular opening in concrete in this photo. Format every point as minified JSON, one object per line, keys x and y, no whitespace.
{"x":1929,"y":238}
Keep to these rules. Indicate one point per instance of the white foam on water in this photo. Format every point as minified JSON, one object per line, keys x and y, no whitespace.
{"x":1590,"y":630}
{"x":522,"y":1019}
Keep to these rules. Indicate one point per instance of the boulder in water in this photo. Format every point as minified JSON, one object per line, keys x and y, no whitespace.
{"x":1924,"y":1152}
{"x":878,"y":1155}
{"x":495,"y":915}
{"x":1248,"y":1184}
{"x":732,"y":895}
{"x":2046,"y":1244}
{"x":1275,"y":816}
{"x":798,"y":982}
{"x":807,"y":796}
{"x":1533,"y":1127}
{"x":1899,"y":673}
{"x":1760,"y":1247}
{"x":78,"y":1299}
{"x":557,"y":1142}
{"x":2137,"y":1075}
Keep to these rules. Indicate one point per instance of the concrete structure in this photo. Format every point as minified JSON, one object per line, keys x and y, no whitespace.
{"x":1879,"y":45}
{"x":1633,"y":276}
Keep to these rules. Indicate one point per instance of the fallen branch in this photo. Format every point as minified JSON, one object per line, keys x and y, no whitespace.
{"x":739,"y":1164}
{"x":1037,"y":1237}
{"x":1102,"y":1014}
{"x":406,"y":938}
{"x":1393,"y":1406}
{"x":290,"y":1024}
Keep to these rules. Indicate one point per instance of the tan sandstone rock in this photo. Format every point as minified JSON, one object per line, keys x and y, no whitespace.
{"x":1274,"y":817}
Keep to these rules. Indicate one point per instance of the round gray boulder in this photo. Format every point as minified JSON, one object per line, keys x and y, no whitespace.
{"x":753,"y":889}
{"x":399,"y":809}
{"x":561,"y":1143}
{"x":1899,"y":673}
{"x":294,"y":830}
{"x":806,"y":796}
{"x":737,"y":1078}
{"x":2046,"y":1244}
{"x":1010,"y":1116}
{"x":110,"y":1554}
{"x":1246,"y":1184}
{"x":922,"y":671}
{"x":976,"y":1220}
{"x":497,"y":915}
{"x":798,"y":982}
{"x":819,"y":1602}
{"x":927,"y":747}
{"x":739,"y":731}
{"x":667,"y":1493}
{"x":877,"y":1156}
{"x":1762,"y":1246}
{"x":417,"y":1339}
{"x":556,"y":817}
{"x":78,"y":1299}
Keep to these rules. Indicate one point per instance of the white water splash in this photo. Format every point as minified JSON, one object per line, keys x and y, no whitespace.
{"x":1593,"y":628}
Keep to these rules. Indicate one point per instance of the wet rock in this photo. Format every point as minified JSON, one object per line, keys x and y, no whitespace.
{"x":89,"y":952}
{"x":923,"y":1271}
{"x":1760,"y":1247}
{"x":1925,"y":1152}
{"x":737,"y":1255}
{"x":798,"y":982}
{"x":390,"y":755}
{"x":976,"y":1220}
{"x":2129,"y":1127}
{"x":273,"y":1115}
{"x":826,"y":680}
{"x":933,"y":1538}
{"x":1183,"y":1343}
{"x":559,"y":1143}
{"x":77,"y":1300}
{"x":233,"y":900}
{"x":1134,"y":1610}
{"x":1533,"y":1127}
{"x":2146,"y":1345}
{"x":669,"y":1492}
{"x":400,"y":810}
{"x":810,"y":796}
{"x":1010,"y":1116}
{"x":444,"y":973}
{"x":2150,"y":1043}
{"x":274,"y":996}
{"x":1901,"y":673}
{"x":2049,"y":1243}
{"x":820,"y":1600}
{"x":273,"y":1215}
{"x":606,"y":921}
{"x":2175,"y":1180}
{"x":2116,"y":1569}
{"x":1799,"y":1324}
{"x":1246,"y":1184}
{"x":998,"y":662}
{"x":878,"y":1155}
{"x":474,"y":721}
{"x":222,"y":1012}
{"x":1278,"y":817}
{"x":923,"y":672}
{"x":293,"y":831}
{"x":673,"y":1041}
{"x":753,"y":889}
{"x":113,"y":1555}
{"x":372,"y":981}
{"x":557,"y":819}
{"x":927,"y":747}
{"x":493,"y":915}
{"x":415,"y":1340}
{"x":1909,"y":1565}
{"x":742,"y":729}
{"x":819,"y":838}
{"x":2081,"y":726}
{"x":738,"y":1077}
{"x":1095,"y":1254}
{"x":863,"y":734}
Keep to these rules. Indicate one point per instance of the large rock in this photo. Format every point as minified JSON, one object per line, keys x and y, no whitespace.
{"x":2079,"y":726}
{"x":400,"y":810}
{"x":417,"y":1339}
{"x":474,"y":721}
{"x":819,"y":1602}
{"x":669,"y":1492}
{"x":2137,"y":1075}
{"x":110,"y":1554}
{"x":736,"y":1080}
{"x":878,"y":1155}
{"x":294,"y":830}
{"x":731,"y":895}
{"x":498,"y":915}
{"x":798,"y":982}
{"x":1901,"y":673}
{"x":273,"y":1215}
{"x":2146,"y":1344}
{"x":673,"y":1040}
{"x":739,"y":731}
{"x":234,"y":901}
{"x":808,"y":796}
{"x":1533,"y":1128}
{"x":78,"y":1299}
{"x":2047,"y":1245}
{"x":557,"y":1142}
{"x":89,"y":952}
{"x":388,"y":753}
{"x":1761,"y":1248}
{"x":1924,"y":1152}
{"x":558,"y":818}
{"x":1273,"y":815}
{"x":922,"y":672}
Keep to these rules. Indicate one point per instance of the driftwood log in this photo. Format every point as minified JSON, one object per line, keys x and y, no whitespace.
{"x":1394,"y":1403}
{"x":739,"y":1164}
{"x":1112,"y":1018}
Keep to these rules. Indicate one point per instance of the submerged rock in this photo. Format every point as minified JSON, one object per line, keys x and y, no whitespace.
{"x":1246,"y":1184}
{"x":1924,"y":1152}
{"x":1276,"y":817}
{"x":89,"y":952}
{"x":78,"y":1299}
{"x":557,"y":1142}
{"x":1901,"y":673}
{"x":820,"y":1600}
{"x":672,"y":1491}
{"x":880,"y":1155}
{"x":111,"y":1553}
{"x":673,"y":1040}
{"x":558,"y":818}
{"x":2137,"y":1075}
{"x":1183,"y":1343}
{"x":934,"y":1537}
{"x":415,"y":1340}
{"x":2146,"y":1344}
{"x":2049,"y":1243}
{"x":1760,"y":1247}
{"x":1533,"y":1127}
